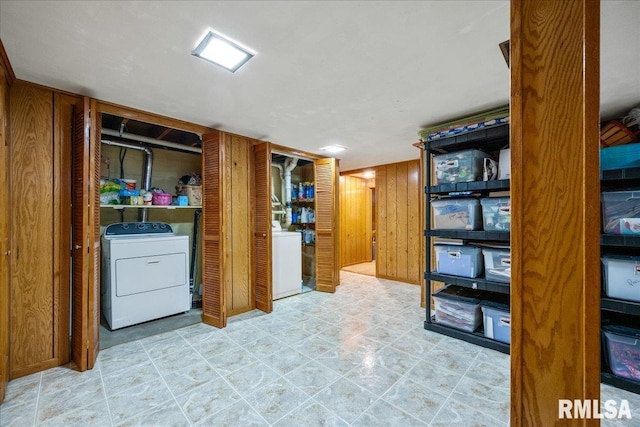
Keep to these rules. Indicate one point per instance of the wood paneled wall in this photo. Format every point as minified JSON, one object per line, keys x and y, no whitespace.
{"x":355,"y":220}
{"x":40,"y":218}
{"x":398,"y":225}
{"x":5,"y":241}
{"x":238,"y":226}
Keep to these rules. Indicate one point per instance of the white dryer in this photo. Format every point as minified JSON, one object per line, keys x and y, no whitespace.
{"x":286,"y":263}
{"x":145,"y":273}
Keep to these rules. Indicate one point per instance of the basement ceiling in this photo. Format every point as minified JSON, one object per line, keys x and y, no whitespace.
{"x":366,"y":75}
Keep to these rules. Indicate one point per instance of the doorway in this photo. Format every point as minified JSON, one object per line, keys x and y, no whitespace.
{"x":155,"y":158}
{"x":358,"y":222}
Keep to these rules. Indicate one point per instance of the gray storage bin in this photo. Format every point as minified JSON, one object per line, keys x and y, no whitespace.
{"x":497,"y":264}
{"x":622,"y":277}
{"x":497,"y":321}
{"x":459,"y":260}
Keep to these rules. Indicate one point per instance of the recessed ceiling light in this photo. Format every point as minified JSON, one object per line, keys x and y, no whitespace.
{"x":334,"y":148}
{"x":369,"y":174}
{"x":223,"y":51}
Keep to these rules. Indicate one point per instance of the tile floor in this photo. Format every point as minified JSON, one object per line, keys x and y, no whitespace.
{"x":358,"y":357}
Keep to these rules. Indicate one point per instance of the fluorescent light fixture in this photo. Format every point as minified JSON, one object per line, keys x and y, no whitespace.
{"x":223,"y":51}
{"x":334,"y":148}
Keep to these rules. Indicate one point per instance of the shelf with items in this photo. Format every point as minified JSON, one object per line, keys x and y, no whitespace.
{"x":474,"y":283}
{"x":477,"y":338}
{"x":459,"y":155}
{"x":620,"y":247}
{"x":471,"y":187}
{"x":295,"y":201}
{"x":121,"y":207}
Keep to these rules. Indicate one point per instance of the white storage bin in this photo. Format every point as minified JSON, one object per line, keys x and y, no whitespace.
{"x":622,"y":277}
{"x":621,"y":212}
{"x":496,"y":213}
{"x":497,"y":264}
{"x":459,"y":166}
{"x":458,"y":308}
{"x":459,"y":260}
{"x":457,"y":214}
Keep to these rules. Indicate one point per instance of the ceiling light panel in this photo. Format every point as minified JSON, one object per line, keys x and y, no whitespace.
{"x":223,"y":51}
{"x":334,"y":148}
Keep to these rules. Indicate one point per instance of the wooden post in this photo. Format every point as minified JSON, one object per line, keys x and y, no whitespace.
{"x":555,"y":300}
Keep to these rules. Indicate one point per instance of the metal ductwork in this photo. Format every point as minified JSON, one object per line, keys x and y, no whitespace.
{"x":289,"y":164}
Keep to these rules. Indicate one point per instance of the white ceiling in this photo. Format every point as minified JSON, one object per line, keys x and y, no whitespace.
{"x":367,"y":75}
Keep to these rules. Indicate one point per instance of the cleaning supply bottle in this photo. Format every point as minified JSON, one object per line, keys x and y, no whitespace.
{"x":304,"y":216}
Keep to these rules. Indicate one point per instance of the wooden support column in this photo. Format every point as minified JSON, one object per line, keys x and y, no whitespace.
{"x":555,"y":348}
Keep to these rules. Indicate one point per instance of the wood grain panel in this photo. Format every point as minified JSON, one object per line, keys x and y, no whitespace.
{"x":381,"y":221}
{"x":143,"y":116}
{"x":415,"y":239}
{"x":32,"y":175}
{"x":5,"y":240}
{"x":327,"y":228}
{"x":213,"y":292}
{"x":402,"y":221}
{"x":262,"y":241}
{"x":399,"y":238}
{"x":227,"y":229}
{"x":555,"y":314}
{"x":392,"y":221}
{"x":241,"y":220}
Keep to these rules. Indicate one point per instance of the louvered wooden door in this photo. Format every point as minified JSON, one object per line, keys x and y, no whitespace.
{"x":214,"y":310}
{"x":327,"y":250}
{"x":85,"y":339}
{"x":262,"y":279}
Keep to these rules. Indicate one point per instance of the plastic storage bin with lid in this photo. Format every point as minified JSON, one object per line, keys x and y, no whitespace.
{"x":457,"y":214}
{"x":622,"y":345}
{"x":496,"y":319}
{"x":622,"y":276}
{"x":459,"y":260}
{"x":621,"y":212}
{"x":458,"y":307}
{"x":496,"y":213}
{"x":497,"y":264}
{"x":459,"y":166}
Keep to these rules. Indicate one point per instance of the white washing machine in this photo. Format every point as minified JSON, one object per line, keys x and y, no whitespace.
{"x":145,"y":273}
{"x":286,"y":262}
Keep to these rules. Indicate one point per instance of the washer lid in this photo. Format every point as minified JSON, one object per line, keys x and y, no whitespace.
{"x":137,"y":229}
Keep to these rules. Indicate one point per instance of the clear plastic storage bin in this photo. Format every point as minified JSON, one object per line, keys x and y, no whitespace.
{"x":496,"y":213}
{"x":622,"y":277}
{"x":459,"y":166}
{"x":458,"y":214}
{"x":459,"y":260}
{"x":621,"y":212}
{"x":458,"y":308}
{"x":622,"y":346}
{"x":497,"y":264}
{"x":497,"y":321}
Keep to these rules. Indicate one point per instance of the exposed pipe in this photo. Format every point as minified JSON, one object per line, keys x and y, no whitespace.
{"x":152,"y":141}
{"x":146,"y":173}
{"x":289,"y":164}
{"x":279,"y":167}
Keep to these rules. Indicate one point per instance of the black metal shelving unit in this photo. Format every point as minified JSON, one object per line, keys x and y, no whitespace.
{"x":487,"y":139}
{"x":619,"y":179}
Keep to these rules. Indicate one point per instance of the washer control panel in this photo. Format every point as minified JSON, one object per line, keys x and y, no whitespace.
{"x":137,"y":228}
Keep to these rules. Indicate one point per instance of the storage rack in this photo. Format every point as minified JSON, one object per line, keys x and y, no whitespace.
{"x":619,"y":179}
{"x":489,"y":139}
